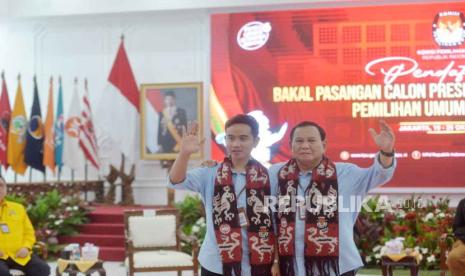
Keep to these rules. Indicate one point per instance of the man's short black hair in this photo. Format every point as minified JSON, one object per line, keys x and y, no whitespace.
{"x":309,"y":123}
{"x":169,"y":93}
{"x":246,"y":120}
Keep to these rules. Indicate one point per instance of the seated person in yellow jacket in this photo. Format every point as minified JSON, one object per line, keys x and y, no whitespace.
{"x":16,"y":239}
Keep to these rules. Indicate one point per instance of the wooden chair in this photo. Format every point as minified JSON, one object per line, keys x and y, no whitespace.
{"x":153,"y":243}
{"x":408,"y":261}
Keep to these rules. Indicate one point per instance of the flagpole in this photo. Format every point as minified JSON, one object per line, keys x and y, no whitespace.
{"x":85,"y":178}
{"x":85,"y":171}
{"x":85,"y":160}
{"x":72,"y":175}
{"x":63,"y":137}
{"x":16,"y":177}
{"x":30,"y":175}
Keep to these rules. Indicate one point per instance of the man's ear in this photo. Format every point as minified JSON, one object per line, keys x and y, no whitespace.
{"x":256,"y":141}
{"x":324,"y":142}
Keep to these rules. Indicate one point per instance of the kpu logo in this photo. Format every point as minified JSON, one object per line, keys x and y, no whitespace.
{"x":449,"y":29}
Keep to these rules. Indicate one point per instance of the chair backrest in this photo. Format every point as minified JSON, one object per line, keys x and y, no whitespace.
{"x":150,"y":232}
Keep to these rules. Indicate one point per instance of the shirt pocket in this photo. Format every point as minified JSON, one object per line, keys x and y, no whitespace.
{"x":14,"y":216}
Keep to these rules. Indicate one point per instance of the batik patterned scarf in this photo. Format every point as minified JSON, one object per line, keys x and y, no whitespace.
{"x":226,"y":219}
{"x":321,"y":219}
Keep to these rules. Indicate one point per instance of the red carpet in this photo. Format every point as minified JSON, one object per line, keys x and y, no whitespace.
{"x":106,"y":230}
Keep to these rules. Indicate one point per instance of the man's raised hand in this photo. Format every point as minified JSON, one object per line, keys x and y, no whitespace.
{"x":191,"y":142}
{"x":385,"y":138}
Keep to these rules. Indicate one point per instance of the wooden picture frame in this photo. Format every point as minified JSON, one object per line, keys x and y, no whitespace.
{"x":181,"y":102}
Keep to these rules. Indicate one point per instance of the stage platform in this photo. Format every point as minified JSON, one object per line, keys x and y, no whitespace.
{"x":106,"y":230}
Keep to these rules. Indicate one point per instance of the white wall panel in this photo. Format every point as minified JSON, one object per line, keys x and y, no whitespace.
{"x":162,"y":47}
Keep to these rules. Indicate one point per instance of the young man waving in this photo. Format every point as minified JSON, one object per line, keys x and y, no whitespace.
{"x":240,"y":238}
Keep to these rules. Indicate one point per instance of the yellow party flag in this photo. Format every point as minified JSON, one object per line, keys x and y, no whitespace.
{"x":17,"y":133}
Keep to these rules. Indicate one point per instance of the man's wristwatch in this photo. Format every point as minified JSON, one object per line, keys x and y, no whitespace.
{"x":276,"y":261}
{"x":388,"y":154}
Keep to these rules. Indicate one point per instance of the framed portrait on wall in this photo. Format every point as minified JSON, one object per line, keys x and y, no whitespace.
{"x":165,"y":110}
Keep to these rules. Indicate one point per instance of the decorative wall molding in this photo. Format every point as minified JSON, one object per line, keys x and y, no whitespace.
{"x":53,"y":8}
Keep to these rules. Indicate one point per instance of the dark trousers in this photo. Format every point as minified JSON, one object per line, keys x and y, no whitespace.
{"x":204,"y":272}
{"x":35,"y":267}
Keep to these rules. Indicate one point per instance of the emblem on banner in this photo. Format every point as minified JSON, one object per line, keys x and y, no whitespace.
{"x":4,"y":120}
{"x":72,"y":126}
{"x":449,"y":28}
{"x":36,"y":127}
{"x":253,"y":35}
{"x":19,"y":126}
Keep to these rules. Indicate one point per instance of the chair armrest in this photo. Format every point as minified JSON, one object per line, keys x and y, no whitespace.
{"x":191,"y":239}
{"x":129,"y":244}
{"x":195,"y":250}
{"x":41,"y":249}
{"x":444,"y":246}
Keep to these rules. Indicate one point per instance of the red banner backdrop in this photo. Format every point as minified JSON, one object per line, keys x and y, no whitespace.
{"x":347,"y":68}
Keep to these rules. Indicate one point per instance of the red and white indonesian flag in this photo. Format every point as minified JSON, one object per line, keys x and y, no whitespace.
{"x":87,"y":139}
{"x":117,"y":115}
{"x":73,"y":156}
{"x":153,"y":106}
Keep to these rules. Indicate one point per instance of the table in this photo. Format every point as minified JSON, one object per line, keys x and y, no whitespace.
{"x":408,"y":261}
{"x":72,"y":268}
